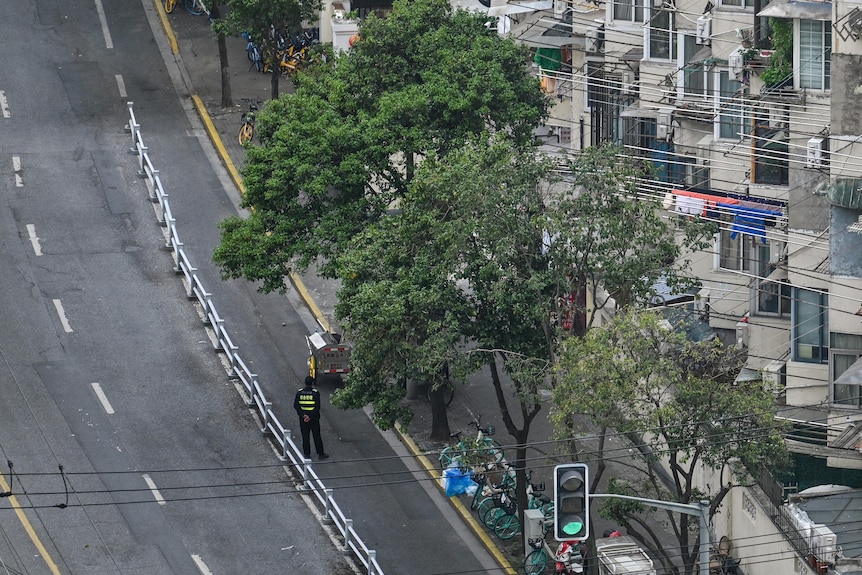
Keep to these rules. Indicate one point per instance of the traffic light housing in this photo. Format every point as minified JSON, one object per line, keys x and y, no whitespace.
{"x":571,"y":502}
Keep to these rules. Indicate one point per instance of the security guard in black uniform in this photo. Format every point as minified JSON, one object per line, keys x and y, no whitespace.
{"x":307,"y":406}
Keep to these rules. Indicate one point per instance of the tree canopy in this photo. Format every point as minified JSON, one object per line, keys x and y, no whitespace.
{"x":339,"y":152}
{"x":676,"y":406}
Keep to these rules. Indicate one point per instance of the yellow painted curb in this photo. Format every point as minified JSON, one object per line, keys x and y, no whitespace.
{"x":219,"y":145}
{"x":309,"y":301}
{"x":169,"y":32}
{"x":465,"y":514}
{"x":13,"y":502}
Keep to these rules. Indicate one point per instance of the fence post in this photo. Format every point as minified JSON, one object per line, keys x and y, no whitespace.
{"x":348,"y":537}
{"x":285,"y":438}
{"x":266,"y":416}
{"x":218,"y":328}
{"x":250,"y":402}
{"x":372,"y":556}
{"x":327,"y":507}
{"x":303,"y":470}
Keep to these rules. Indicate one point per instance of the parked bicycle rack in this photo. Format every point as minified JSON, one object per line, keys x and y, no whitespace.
{"x":221,"y":341}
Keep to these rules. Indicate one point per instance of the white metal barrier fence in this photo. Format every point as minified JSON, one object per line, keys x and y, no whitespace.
{"x":311,"y":483}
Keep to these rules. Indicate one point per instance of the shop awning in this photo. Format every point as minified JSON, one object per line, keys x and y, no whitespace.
{"x":799,"y":9}
{"x":547,"y":34}
{"x":506,"y":8}
{"x":779,"y":274}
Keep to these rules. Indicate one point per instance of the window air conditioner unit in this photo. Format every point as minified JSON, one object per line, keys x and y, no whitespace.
{"x":703,"y":30}
{"x":777,"y":251}
{"x":773,"y":376}
{"x":823,"y":542}
{"x":701,"y":301}
{"x":560,"y":7}
{"x":662,"y":128}
{"x":627,"y":82}
{"x":736,"y":62}
{"x":592,"y":39}
{"x":814,"y":157}
{"x":741,"y":334}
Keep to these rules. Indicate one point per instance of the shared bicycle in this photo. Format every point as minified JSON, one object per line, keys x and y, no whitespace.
{"x":469,"y":453}
{"x":194,"y":7}
{"x":542,"y":559}
{"x":246,"y":131}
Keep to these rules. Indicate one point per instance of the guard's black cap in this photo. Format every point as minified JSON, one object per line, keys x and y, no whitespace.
{"x":309,"y":380}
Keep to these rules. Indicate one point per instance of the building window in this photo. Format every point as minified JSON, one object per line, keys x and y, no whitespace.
{"x":844,"y":350}
{"x":686,"y":172}
{"x":772,"y":292}
{"x":736,"y":3}
{"x":697,"y":79}
{"x":734,"y":253}
{"x":639,"y":135}
{"x":810,"y":326}
{"x":628,"y":10}
{"x":661,"y":34}
{"x":732,"y":115}
{"x":815,"y":53}
{"x":770,"y":150}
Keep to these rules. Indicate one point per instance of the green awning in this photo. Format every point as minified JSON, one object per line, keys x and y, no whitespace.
{"x":549,"y":59}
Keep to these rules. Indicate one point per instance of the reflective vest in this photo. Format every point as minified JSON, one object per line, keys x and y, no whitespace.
{"x":307,"y":400}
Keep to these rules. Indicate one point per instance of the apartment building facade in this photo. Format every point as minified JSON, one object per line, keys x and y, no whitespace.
{"x":751,"y":113}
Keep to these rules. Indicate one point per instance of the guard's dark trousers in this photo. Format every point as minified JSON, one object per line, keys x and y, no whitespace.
{"x":312,"y":427}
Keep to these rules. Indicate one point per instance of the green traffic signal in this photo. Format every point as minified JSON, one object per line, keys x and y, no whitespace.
{"x":573,"y":527}
{"x":571,"y":497}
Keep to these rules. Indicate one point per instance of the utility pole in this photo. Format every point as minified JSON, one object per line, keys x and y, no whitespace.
{"x":701,"y":510}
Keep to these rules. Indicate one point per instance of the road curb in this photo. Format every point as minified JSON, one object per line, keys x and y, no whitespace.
{"x":465,"y":514}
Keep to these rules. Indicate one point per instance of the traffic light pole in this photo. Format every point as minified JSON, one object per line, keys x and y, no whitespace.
{"x":700,"y":510}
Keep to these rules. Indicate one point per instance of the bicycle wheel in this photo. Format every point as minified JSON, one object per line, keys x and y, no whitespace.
{"x":536,"y":563}
{"x":246,"y":133}
{"x":448,"y":455}
{"x":194,"y":8}
{"x":484,"y":507}
{"x":493,"y":448}
{"x":170,"y":5}
{"x":492,"y":516}
{"x":507,"y":526}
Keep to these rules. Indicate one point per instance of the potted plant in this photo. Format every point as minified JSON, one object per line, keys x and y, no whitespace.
{"x":779,"y":72}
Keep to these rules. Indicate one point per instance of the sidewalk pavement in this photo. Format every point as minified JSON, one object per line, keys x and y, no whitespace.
{"x":194,"y":46}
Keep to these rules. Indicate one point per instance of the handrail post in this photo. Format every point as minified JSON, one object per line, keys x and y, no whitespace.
{"x":348,"y":526}
{"x":285,"y":439}
{"x":266,"y":417}
{"x":327,"y":507}
{"x":372,"y":555}
{"x":303,"y":470}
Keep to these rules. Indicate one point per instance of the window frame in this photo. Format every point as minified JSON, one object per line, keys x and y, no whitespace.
{"x":736,"y":115}
{"x":762,"y":290}
{"x":636,"y":6}
{"x":738,"y":249}
{"x":742,"y":5}
{"x":844,"y":351}
{"x":690,"y":47}
{"x":821,"y":345}
{"x":823,"y":75}
{"x":672,"y":33}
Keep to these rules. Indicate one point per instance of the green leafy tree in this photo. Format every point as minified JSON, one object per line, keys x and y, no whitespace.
{"x":676,"y":406}
{"x":339,"y":153}
{"x":488,"y":226}
{"x":261,"y":19}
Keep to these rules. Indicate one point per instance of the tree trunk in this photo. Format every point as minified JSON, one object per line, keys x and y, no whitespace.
{"x":439,"y":418}
{"x":276,"y":72}
{"x":226,"y":97}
